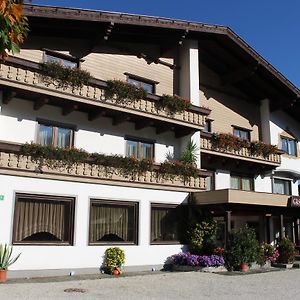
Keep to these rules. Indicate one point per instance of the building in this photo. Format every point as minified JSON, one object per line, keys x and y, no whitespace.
{"x":64,"y":217}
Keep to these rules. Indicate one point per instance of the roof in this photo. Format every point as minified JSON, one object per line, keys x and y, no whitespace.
{"x":222,"y":41}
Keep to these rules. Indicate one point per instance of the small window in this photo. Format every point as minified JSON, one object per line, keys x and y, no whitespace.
{"x":148,"y":86}
{"x":61,"y":59}
{"x":41,"y":219}
{"x":210,"y":182}
{"x":239,"y":182}
{"x":113,"y":222}
{"x":243,"y":134}
{"x":207,"y":126}
{"x":283,"y":187}
{"x":140,"y":149}
{"x":55,"y":136}
{"x":166,"y":223}
{"x":289,"y":146}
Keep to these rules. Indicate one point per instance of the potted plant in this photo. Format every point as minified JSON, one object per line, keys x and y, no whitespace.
{"x":114,"y":260}
{"x":268,"y":254}
{"x":286,"y":250}
{"x":6,"y":260}
{"x":242,"y":250}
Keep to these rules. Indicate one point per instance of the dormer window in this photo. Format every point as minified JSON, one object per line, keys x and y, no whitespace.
{"x":288,"y":145}
{"x":147,"y":84}
{"x":241,"y":133}
{"x":60,"y":59}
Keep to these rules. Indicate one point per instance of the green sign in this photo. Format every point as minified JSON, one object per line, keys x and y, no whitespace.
{"x":1,"y":197}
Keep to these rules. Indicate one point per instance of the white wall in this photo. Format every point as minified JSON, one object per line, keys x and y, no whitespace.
{"x":222,"y":179}
{"x":18,"y":124}
{"x":81,"y":255}
{"x":263,"y":184}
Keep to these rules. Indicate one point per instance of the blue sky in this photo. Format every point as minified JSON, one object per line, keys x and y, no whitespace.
{"x":270,"y":27}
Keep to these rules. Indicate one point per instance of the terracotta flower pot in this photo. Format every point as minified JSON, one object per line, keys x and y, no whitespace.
{"x":3,"y":275}
{"x":244,"y":267}
{"x":116,"y":272}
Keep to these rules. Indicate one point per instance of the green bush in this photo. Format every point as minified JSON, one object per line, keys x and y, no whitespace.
{"x":243,"y":247}
{"x":114,"y":258}
{"x":63,"y":76}
{"x":124,"y":91}
{"x":201,"y":237}
{"x":286,"y":250}
{"x":174,"y":104}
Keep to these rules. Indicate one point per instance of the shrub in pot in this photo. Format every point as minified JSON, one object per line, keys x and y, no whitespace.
{"x":201,"y":237}
{"x":243,"y":249}
{"x":286,"y":250}
{"x":6,"y":260}
{"x":114,"y":260}
{"x":267,"y":253}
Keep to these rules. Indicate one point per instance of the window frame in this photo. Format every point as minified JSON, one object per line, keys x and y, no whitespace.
{"x":134,"y":204}
{"x":141,"y":79}
{"x":208,"y":124}
{"x":295,"y":142}
{"x":63,"y":56}
{"x":42,"y":197}
{"x":290,"y":192}
{"x":241,"y":177}
{"x":242,"y":129}
{"x":165,"y":206}
{"x":139,"y":145}
{"x":55,"y":127}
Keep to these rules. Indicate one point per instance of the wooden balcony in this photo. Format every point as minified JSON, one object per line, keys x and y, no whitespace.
{"x":12,"y":163}
{"x":244,"y":153}
{"x":21,"y":78}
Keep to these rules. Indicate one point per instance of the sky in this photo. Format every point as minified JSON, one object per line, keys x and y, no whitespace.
{"x":271,"y":27}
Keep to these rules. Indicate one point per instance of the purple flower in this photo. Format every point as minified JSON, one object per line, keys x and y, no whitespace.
{"x":188,"y":259}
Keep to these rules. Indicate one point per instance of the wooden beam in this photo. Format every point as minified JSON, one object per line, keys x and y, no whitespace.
{"x":68,"y":109}
{"x":238,"y":75}
{"x":163,"y":128}
{"x":119,"y":119}
{"x":179,"y":133}
{"x":7,"y":96}
{"x":38,"y":104}
{"x":93,"y":115}
{"x":141,"y":124}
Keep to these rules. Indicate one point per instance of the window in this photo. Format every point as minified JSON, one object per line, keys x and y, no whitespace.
{"x":139,"y":149}
{"x":140,"y":82}
{"x":282,"y":186}
{"x":239,"y":182}
{"x":56,"y":136}
{"x":113,"y":222}
{"x":207,"y":126}
{"x":241,"y":133}
{"x":210,"y":182}
{"x":289,"y":146}
{"x":61,"y":59}
{"x":42,"y":219}
{"x":166,"y":223}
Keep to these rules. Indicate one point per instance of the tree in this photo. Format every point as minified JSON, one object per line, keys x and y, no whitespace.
{"x":13,"y":26}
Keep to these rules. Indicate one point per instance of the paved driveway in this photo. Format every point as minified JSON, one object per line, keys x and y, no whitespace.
{"x":274,"y":285}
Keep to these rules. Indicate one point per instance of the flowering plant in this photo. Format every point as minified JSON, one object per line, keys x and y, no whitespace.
{"x":219,"y":251}
{"x":267,"y":253}
{"x":188,"y":259}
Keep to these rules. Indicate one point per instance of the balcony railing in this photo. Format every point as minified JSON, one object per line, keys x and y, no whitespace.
{"x":243,"y":154}
{"x":12,"y":163}
{"x":25,"y":75}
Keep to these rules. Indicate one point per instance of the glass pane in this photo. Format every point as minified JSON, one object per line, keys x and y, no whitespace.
{"x":246,"y":184}
{"x":132,"y":149}
{"x":284,"y":145}
{"x":44,"y":221}
{"x":64,"y":137}
{"x":45,"y":135}
{"x":164,"y":224}
{"x":60,"y":61}
{"x":235,"y":182}
{"x":242,"y":134}
{"x":148,"y":87}
{"x":279,"y":186}
{"x":112,"y":223}
{"x":146,"y":151}
{"x":208,"y":183}
{"x":291,"y":147}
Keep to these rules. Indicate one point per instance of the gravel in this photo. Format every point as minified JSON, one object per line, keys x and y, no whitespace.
{"x":190,"y":285}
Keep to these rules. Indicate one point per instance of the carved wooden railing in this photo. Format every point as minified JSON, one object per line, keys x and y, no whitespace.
{"x":18,"y":73}
{"x":13,"y":164}
{"x":243,"y":153}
